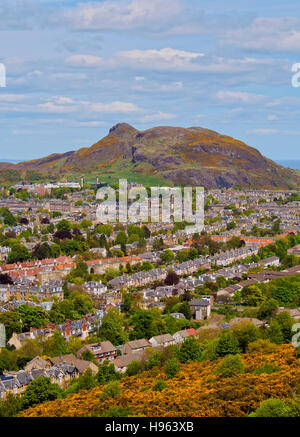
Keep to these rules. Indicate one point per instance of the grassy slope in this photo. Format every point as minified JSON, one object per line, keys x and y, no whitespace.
{"x":195,"y":391}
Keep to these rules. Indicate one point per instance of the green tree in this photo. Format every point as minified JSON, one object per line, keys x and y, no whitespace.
{"x":111,"y":390}
{"x":245,"y":334}
{"x":35,"y":317}
{"x":106,"y":373}
{"x":12,"y":323}
{"x":38,"y":391}
{"x":230,"y":366}
{"x":277,"y":408}
{"x":112,"y":328}
{"x":133,"y":368}
{"x":63,"y":225}
{"x":227,"y":344}
{"x":190,"y":351}
{"x":172,"y":367}
{"x":57,"y":344}
{"x":18,"y":253}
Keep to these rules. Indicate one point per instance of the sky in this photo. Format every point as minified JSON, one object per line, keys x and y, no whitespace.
{"x":76,"y":68}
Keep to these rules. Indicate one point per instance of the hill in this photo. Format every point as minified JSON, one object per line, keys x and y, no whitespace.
{"x":195,"y":391}
{"x":169,"y":155}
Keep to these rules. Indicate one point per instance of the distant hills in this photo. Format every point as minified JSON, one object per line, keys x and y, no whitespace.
{"x":169,"y":155}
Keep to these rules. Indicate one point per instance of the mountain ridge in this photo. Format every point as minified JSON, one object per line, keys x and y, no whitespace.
{"x":194,"y":155}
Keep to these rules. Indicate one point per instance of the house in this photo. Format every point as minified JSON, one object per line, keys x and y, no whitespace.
{"x":180,"y":336}
{"x":163,"y":340}
{"x":70,"y":359}
{"x":37,"y":363}
{"x":256,"y":322}
{"x":293,"y":312}
{"x":135,"y":346}
{"x":121,"y":363}
{"x":200,"y":308}
{"x":269,"y":262}
{"x":102,"y":351}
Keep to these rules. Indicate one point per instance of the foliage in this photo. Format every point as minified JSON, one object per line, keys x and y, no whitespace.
{"x":192,"y":392}
{"x":38,"y":391}
{"x":230,"y":366}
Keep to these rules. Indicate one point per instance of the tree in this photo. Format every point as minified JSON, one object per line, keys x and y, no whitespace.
{"x":121,"y":238}
{"x":227,"y":344}
{"x":112,"y":328}
{"x":57,"y":344}
{"x":253,"y":295}
{"x":18,"y":253}
{"x":35,"y":317}
{"x":87,"y":355}
{"x":38,"y":391}
{"x":63,"y":234}
{"x":267,"y":308}
{"x":274,"y":333}
{"x":190,"y":351}
{"x":127,"y":299}
{"x":63,"y":225}
{"x":230,"y":366}
{"x":245,"y":333}
{"x":9,"y":219}
{"x":111,"y":390}
{"x":87,"y":381}
{"x":142,"y":321}
{"x":133,"y":368}
{"x":11,"y":406}
{"x":286,"y":322}
{"x":272,"y":408}
{"x":172,"y":278}
{"x":106,"y":372}
{"x":172,"y":367}
{"x":42,"y":251}
{"x":184,"y":308}
{"x":5,"y":279}
{"x":167,"y":256}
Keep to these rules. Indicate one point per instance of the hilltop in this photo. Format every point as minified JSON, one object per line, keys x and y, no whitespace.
{"x":174,"y":155}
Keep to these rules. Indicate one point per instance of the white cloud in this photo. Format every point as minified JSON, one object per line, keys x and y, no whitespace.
{"x":159,"y":116}
{"x":273,"y":117}
{"x":163,"y":59}
{"x":263,"y":131}
{"x":85,"y":61}
{"x":126,"y":15}
{"x":55,"y":108}
{"x":114,"y":107}
{"x":239,"y":97}
{"x":60,"y":104}
{"x":266,"y":34}
{"x":11,"y":98}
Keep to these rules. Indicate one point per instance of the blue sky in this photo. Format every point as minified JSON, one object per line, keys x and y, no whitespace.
{"x":74,"y":69}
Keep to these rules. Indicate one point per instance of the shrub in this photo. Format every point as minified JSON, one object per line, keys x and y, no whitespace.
{"x":261,"y":347}
{"x":111,"y":390}
{"x":230,"y":366}
{"x":271,"y":408}
{"x":159,"y":386}
{"x":133,"y":368}
{"x":227,"y":344}
{"x":268,"y":368}
{"x":172,"y":367}
{"x":116,"y":412}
